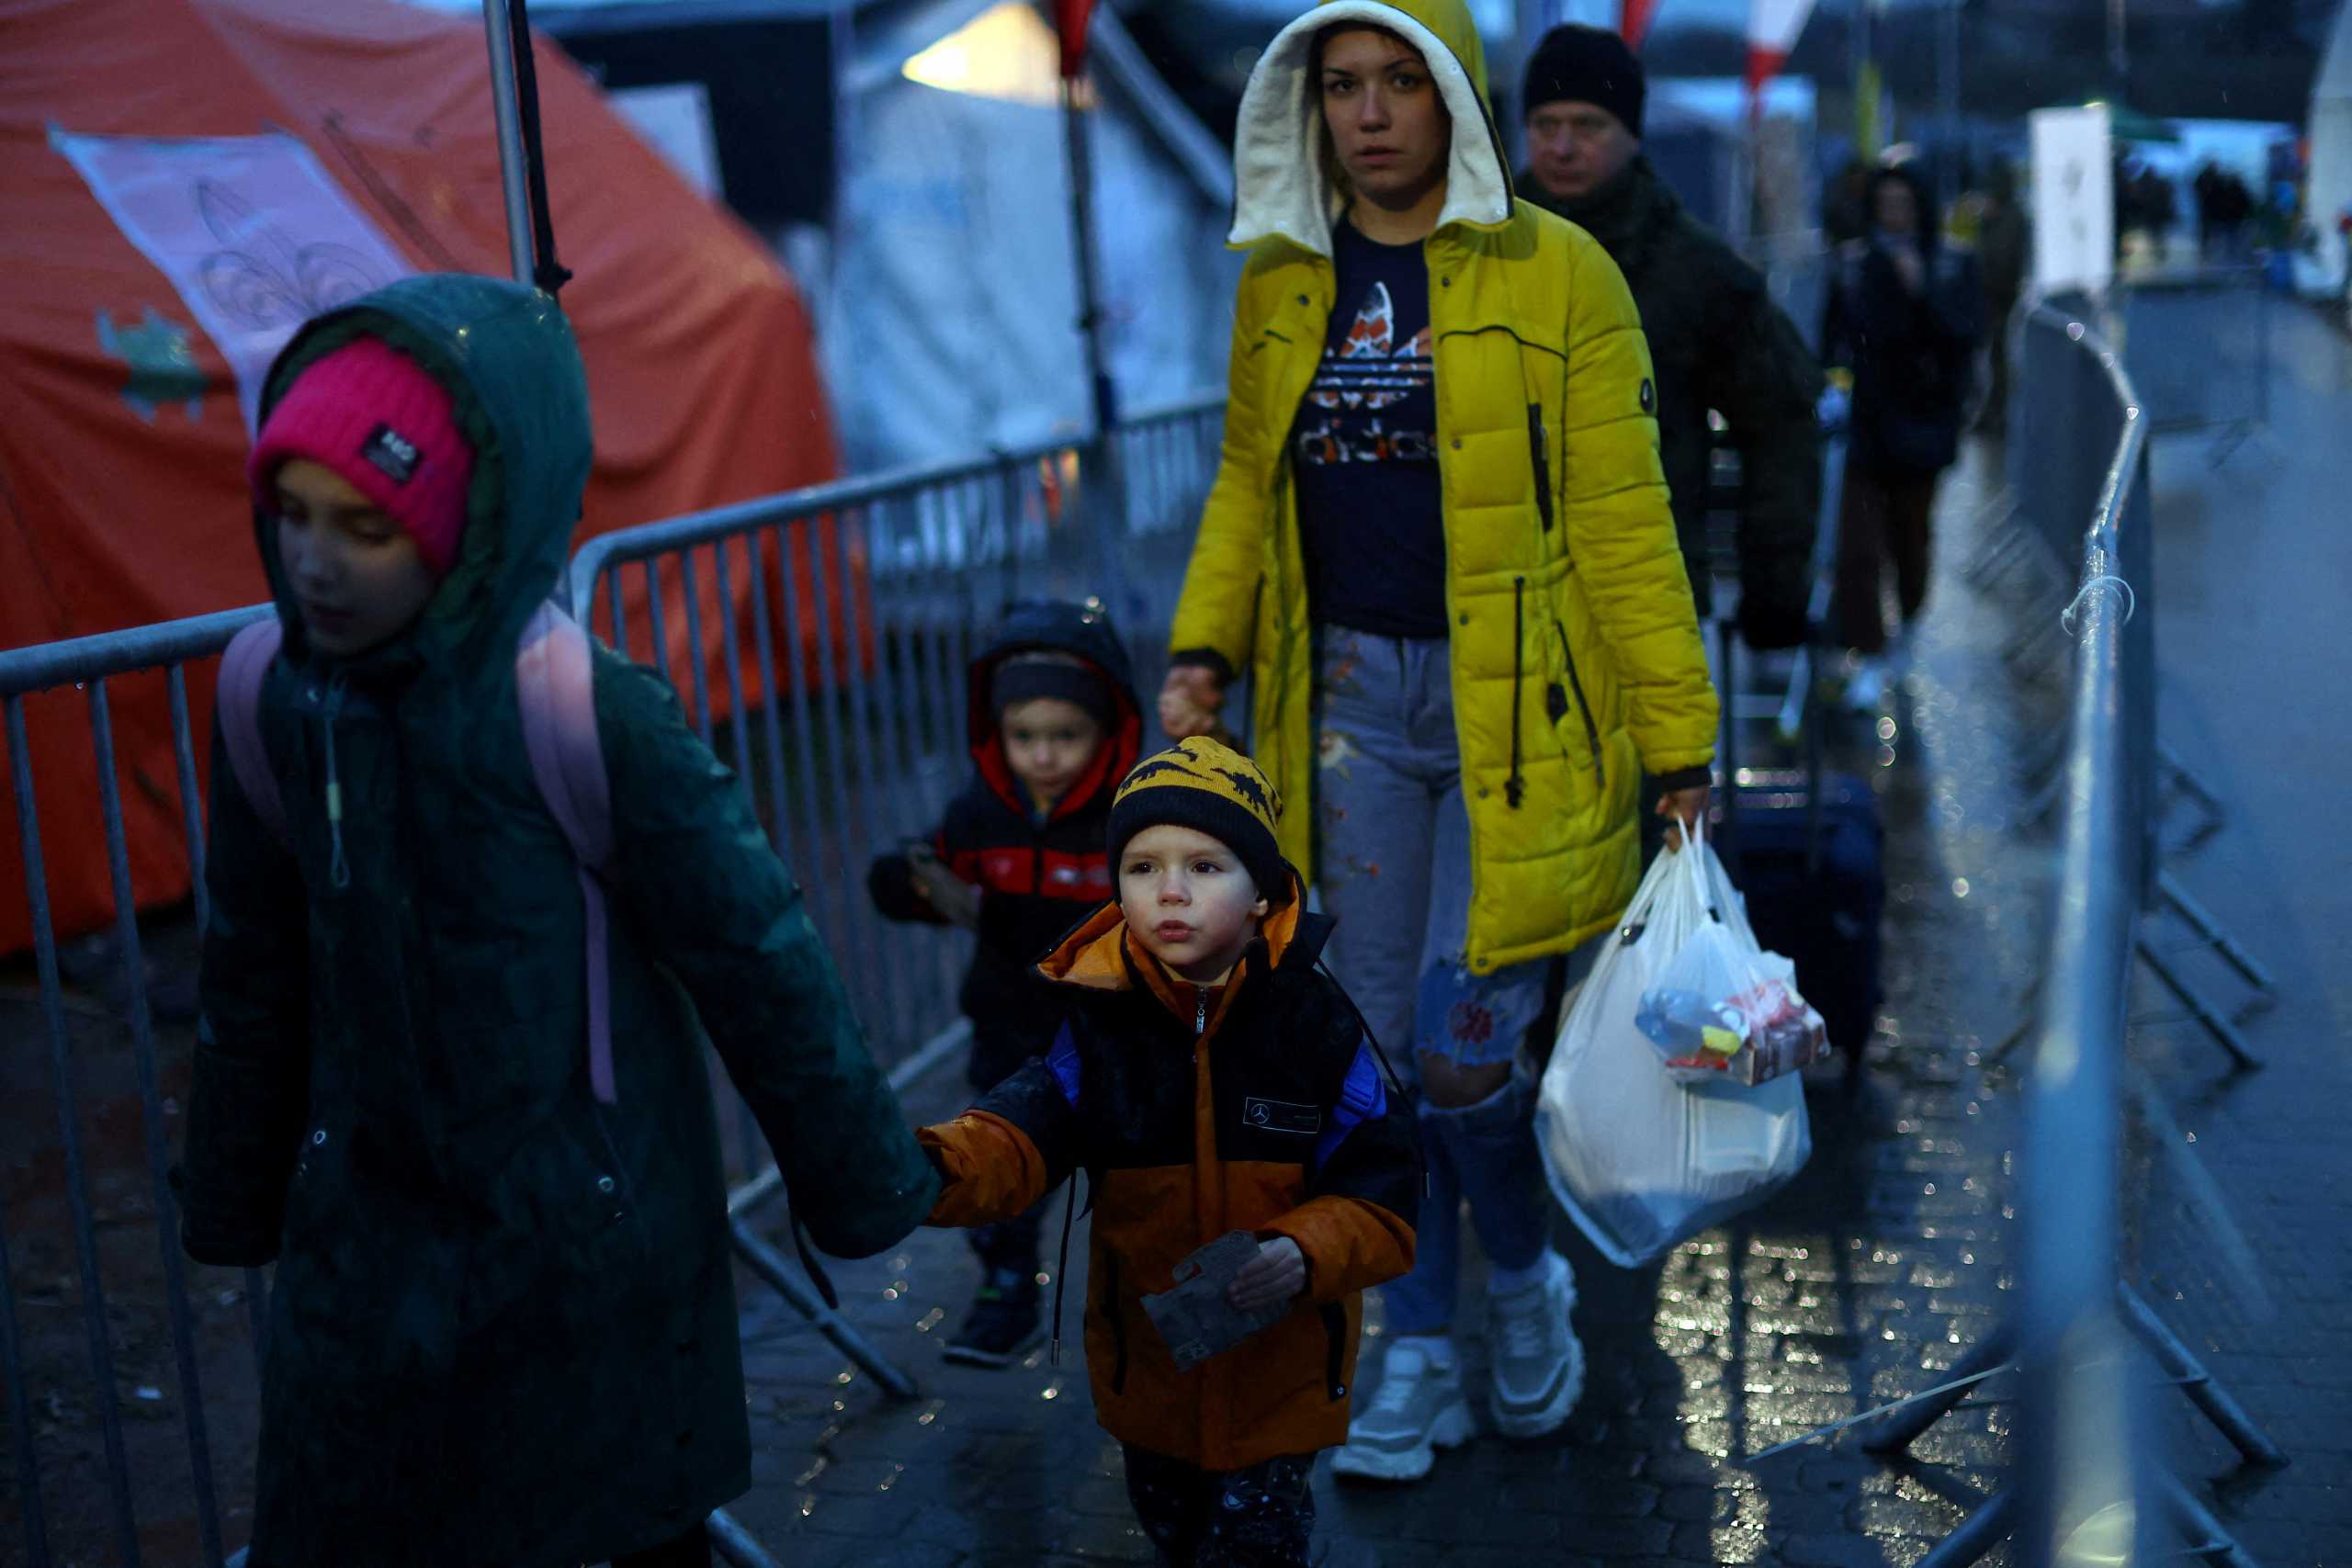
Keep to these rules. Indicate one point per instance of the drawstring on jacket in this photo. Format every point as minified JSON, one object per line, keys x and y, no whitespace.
{"x":1061,"y":1268}
{"x":338,"y":867}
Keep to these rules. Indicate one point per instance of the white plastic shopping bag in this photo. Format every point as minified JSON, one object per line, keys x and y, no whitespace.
{"x":1639,"y":1160}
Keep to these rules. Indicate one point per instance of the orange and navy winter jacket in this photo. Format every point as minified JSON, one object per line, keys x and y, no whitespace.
{"x":1037,"y":880}
{"x":1258,"y":1106}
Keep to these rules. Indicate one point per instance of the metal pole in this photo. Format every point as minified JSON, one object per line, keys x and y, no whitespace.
{"x":514,"y":178}
{"x":1081,"y":219}
{"x":1948,"y":97}
{"x":1099,"y":493}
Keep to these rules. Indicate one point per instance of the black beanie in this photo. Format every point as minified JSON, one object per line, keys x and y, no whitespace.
{"x":1586,"y":66}
{"x":1026,"y":677}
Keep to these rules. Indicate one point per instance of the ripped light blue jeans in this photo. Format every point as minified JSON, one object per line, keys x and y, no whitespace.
{"x":1393,"y":868}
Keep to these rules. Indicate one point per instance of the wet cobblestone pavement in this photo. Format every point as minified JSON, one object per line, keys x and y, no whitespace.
{"x":1865,"y":1281}
{"x":1870,"y":1276}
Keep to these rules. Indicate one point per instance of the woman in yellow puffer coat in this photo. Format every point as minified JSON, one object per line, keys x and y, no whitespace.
{"x":1439,"y":545}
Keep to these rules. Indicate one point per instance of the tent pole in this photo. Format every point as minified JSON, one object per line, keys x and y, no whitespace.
{"x":1103,"y":497}
{"x":1081,"y":217}
{"x":513,"y":175}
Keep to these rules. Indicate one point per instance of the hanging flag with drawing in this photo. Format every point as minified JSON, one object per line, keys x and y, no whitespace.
{"x":253,"y":232}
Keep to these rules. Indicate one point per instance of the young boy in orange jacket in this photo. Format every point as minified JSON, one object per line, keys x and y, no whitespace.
{"x":1209,"y":1078}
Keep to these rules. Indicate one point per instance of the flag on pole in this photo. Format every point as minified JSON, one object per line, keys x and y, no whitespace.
{"x":1070,"y":19}
{"x":1633,"y":18}
{"x":1773,"y":26}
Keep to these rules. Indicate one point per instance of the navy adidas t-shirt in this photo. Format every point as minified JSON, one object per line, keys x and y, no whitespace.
{"x":1364,"y":450}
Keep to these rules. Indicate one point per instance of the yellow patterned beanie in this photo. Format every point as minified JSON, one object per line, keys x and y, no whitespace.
{"x":1212,"y":789}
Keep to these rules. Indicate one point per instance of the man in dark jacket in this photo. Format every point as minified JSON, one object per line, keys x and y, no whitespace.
{"x":2003,"y":248}
{"x":1717,"y":343}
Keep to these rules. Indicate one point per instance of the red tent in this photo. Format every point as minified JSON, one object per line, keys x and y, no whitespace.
{"x":122,"y":435}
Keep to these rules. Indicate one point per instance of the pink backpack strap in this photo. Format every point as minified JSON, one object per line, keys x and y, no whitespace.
{"x":556,"y":686}
{"x":237,"y":699}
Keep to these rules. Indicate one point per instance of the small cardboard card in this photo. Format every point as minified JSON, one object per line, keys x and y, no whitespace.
{"x":1194,"y":1316}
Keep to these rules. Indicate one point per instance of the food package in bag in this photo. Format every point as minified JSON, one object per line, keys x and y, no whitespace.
{"x":1724,"y":1009}
{"x":1639,"y":1160}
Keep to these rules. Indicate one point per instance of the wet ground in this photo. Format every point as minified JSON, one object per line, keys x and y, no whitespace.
{"x":1875,"y":1272}
{"x":1864,"y":1282}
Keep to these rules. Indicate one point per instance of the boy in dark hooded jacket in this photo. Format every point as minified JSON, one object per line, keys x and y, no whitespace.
{"x":1020,"y":859}
{"x":502,"y":1332}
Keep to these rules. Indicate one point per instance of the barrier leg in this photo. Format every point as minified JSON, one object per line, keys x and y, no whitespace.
{"x":2186,"y":780}
{"x":1898,"y":1429}
{"x":2206,"y":925}
{"x":2030,"y":1016}
{"x":2229,"y":1417}
{"x":735,"y":1544}
{"x":2205,"y":1536}
{"x":1973,"y":1536}
{"x":2224,"y":1032}
{"x":770,"y":1266}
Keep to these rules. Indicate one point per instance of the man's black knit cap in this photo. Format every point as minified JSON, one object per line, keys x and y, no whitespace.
{"x":1586,"y":66}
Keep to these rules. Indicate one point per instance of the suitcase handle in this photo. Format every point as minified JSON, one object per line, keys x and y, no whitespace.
{"x":1727,"y":747}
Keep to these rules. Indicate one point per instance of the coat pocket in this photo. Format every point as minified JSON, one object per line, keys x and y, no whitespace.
{"x":1559,"y":703}
{"x":1113,"y":1323}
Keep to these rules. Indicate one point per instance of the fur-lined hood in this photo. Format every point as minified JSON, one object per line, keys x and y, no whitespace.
{"x":1282,"y":185}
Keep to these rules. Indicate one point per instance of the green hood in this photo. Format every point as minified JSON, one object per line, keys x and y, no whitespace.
{"x":507,"y":357}
{"x":1282,"y":183}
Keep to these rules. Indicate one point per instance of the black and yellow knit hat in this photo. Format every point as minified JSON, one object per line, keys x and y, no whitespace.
{"x":1212,"y":789}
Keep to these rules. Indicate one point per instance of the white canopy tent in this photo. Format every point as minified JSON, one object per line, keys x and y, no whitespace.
{"x":951,"y":321}
{"x":944,"y":289}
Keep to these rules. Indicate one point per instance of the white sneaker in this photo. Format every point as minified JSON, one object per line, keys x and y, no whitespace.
{"x":1539,"y":1366}
{"x":1419,"y":1410}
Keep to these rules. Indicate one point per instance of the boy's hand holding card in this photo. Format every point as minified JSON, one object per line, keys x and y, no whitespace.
{"x":1203,"y":1314}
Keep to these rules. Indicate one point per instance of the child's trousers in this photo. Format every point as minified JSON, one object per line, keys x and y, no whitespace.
{"x":1257,"y":1517}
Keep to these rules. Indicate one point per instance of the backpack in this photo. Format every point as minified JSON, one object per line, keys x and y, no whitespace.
{"x":555,"y":687}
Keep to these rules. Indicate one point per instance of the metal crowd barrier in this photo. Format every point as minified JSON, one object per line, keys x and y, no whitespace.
{"x":2088,"y":1482}
{"x":841,"y":706}
{"x":2199,"y":347}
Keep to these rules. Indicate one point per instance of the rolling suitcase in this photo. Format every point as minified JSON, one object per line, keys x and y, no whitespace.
{"x":1807,"y":849}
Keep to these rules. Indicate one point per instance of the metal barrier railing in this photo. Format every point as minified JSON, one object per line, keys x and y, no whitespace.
{"x":2086,"y":1484}
{"x":822,"y":641}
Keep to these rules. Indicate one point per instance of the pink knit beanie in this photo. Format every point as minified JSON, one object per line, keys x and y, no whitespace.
{"x":376,"y":418}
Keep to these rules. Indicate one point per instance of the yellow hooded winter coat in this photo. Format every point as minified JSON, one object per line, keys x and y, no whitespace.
{"x":1576,"y":654}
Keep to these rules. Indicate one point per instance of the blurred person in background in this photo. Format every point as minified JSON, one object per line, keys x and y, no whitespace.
{"x":1717,"y":341}
{"x":1905,"y":319}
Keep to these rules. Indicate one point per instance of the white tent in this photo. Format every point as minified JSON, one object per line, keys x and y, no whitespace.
{"x":950,"y":324}
{"x":944,"y":287}
{"x":2330,"y":189}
